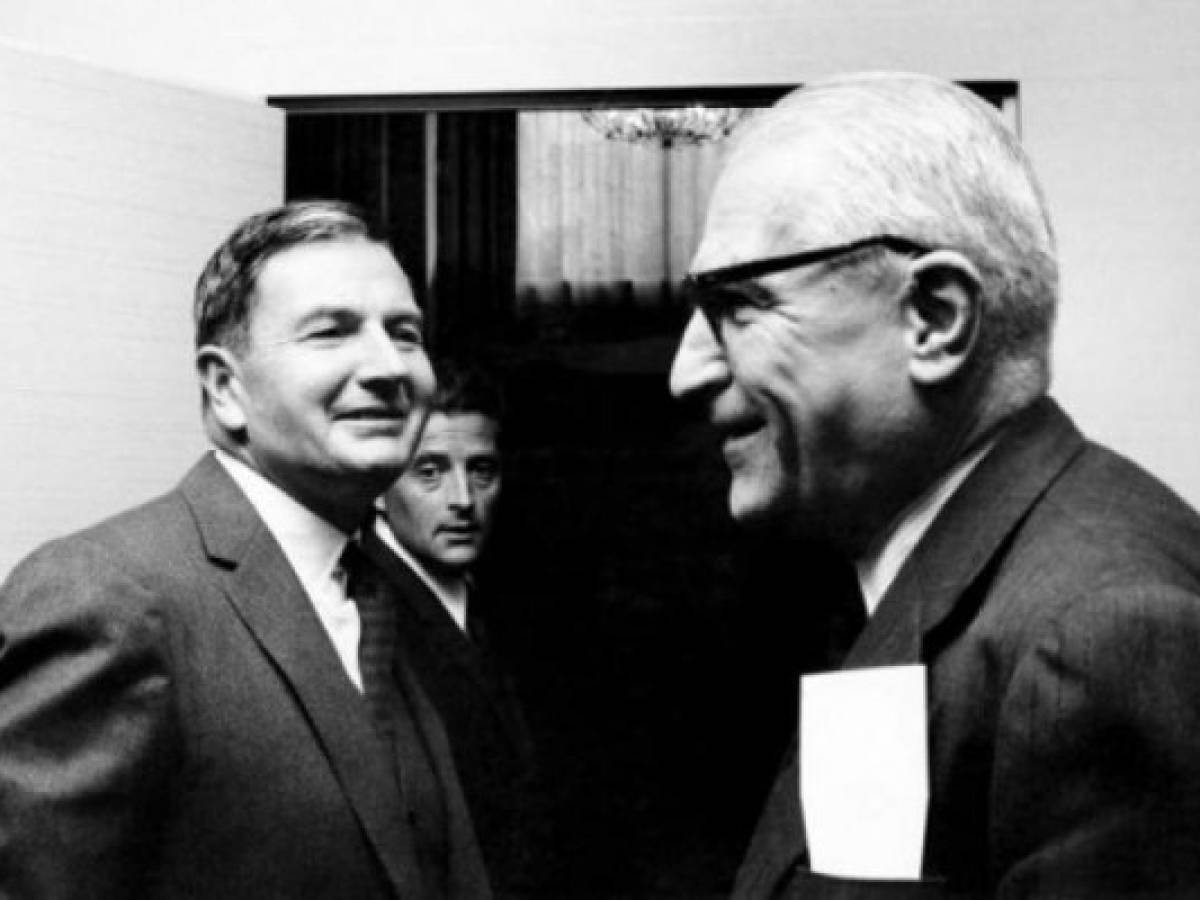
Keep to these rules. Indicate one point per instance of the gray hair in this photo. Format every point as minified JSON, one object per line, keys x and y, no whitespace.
{"x":928,"y":160}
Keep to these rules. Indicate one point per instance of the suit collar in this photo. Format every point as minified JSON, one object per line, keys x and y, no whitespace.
{"x":311,"y":544}
{"x":928,"y":603}
{"x":450,"y":643}
{"x":224,"y":517}
{"x":882,"y":563}
{"x":266,"y":595}
{"x":418,"y":595}
{"x":919,"y":610}
{"x":451,"y":597}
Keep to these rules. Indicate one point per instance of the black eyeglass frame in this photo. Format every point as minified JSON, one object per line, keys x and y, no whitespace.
{"x":757,"y":268}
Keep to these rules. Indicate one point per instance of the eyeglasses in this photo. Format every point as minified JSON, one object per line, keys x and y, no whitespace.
{"x":757,"y":268}
{"x":698,"y":284}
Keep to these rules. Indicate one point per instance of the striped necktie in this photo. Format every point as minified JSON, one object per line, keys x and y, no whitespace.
{"x":366,"y":586}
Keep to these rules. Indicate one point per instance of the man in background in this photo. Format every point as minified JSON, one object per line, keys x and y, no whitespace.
{"x":201,"y":697}
{"x":439,"y":516}
{"x":875,"y":290}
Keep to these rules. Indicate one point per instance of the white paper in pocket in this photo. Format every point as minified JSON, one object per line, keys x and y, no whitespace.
{"x":864,"y":771}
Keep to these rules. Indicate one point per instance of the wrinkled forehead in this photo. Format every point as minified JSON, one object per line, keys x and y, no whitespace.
{"x":769,"y":199}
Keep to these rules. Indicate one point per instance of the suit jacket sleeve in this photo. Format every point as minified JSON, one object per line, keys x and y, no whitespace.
{"x":1097,"y":781}
{"x":86,"y":727}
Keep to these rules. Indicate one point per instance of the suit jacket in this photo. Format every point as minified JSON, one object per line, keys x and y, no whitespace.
{"x":174,"y":722}
{"x":489,"y":737}
{"x":1056,"y":603}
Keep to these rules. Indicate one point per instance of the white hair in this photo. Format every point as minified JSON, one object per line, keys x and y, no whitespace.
{"x":928,"y":160}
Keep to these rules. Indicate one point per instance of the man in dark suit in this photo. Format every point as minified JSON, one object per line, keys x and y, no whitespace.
{"x":439,"y":515}
{"x":875,"y":290}
{"x":186,"y":706}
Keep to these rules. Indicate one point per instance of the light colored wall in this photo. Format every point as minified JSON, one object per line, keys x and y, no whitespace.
{"x":115,"y":191}
{"x":1110,"y":108}
{"x":261,"y":47}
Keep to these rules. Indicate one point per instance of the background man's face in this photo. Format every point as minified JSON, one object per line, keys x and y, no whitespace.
{"x":807,"y":380}
{"x":334,"y":382}
{"x":441,"y":507}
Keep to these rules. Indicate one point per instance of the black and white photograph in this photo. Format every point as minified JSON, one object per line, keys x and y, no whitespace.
{"x":597,"y":450}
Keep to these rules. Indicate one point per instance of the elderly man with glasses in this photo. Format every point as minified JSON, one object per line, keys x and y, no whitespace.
{"x":875,"y":291}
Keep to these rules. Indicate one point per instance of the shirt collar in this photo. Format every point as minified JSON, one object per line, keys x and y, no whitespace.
{"x":877,"y":568}
{"x":451,"y":594}
{"x":312,"y":546}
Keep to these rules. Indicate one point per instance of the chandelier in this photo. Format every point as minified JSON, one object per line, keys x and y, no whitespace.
{"x":666,"y":126}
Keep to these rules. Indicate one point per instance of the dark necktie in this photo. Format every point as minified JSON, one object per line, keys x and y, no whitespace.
{"x":847,"y":618}
{"x":377,"y":640}
{"x":839,"y":613}
{"x":390,"y":708}
{"x":474,"y":626}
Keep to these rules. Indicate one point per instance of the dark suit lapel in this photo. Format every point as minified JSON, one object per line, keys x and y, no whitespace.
{"x":779,"y":843}
{"x":422,"y":609}
{"x":466,"y":873}
{"x":268,"y":598}
{"x":925,"y":605}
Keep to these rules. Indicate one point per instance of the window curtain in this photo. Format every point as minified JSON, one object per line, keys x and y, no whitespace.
{"x":374,"y":160}
{"x":476,"y":228}
{"x":604,"y":224}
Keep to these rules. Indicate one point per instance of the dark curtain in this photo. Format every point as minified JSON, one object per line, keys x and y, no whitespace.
{"x":473,"y":283}
{"x":654,"y":646}
{"x":374,"y":160}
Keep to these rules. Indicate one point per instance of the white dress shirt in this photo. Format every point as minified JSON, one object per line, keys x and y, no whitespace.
{"x":878,"y":568}
{"x":313,"y":547}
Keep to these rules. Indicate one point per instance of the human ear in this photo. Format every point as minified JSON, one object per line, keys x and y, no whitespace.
{"x":217,"y":368}
{"x":942,"y":315}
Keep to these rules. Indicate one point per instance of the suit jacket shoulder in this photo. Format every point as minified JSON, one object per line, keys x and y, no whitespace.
{"x":172,"y":657}
{"x":491,"y":742}
{"x":1055,"y":573}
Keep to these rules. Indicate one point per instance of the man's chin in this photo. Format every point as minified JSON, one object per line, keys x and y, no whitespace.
{"x":386,"y":457}
{"x":753,"y":507}
{"x":751,"y":511}
{"x":449,"y":565}
{"x":458,"y":558}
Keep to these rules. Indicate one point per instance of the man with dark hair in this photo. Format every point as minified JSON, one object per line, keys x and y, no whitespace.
{"x":439,"y":516}
{"x":875,"y":290}
{"x":201,"y":697}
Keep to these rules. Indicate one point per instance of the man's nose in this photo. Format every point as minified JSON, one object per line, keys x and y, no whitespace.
{"x":699,"y":362}
{"x":460,"y":493}
{"x":383,"y":359}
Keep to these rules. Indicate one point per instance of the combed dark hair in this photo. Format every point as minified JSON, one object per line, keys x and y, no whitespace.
{"x":467,"y":387}
{"x":225,"y":288}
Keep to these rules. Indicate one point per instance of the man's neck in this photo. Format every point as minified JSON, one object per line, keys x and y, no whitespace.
{"x":450,"y":587}
{"x":878,"y":565}
{"x":344,"y":504}
{"x":953,"y":436}
{"x":453,"y":581}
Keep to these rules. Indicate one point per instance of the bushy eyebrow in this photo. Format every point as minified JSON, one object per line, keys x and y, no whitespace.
{"x":429,"y":456}
{"x":719,"y":300}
